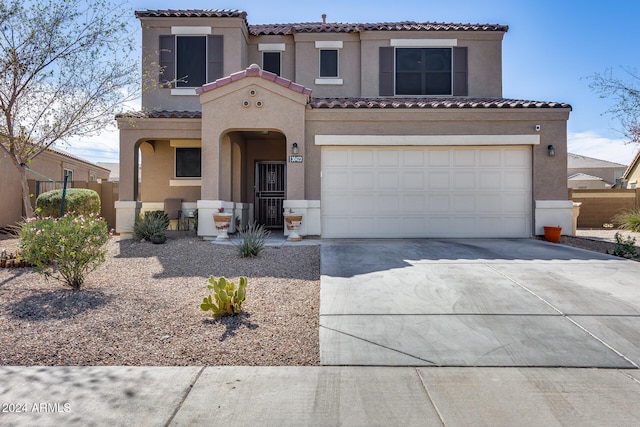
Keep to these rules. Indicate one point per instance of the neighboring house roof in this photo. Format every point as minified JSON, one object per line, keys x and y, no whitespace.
{"x":632,"y":166}
{"x":114,"y":168}
{"x":317,"y":27}
{"x":584,"y":177}
{"x":576,"y":161}
{"x":79,"y":159}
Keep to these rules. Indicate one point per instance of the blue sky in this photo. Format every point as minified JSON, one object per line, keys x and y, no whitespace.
{"x":550,"y":50}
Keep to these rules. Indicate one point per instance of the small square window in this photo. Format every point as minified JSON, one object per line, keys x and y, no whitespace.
{"x":329,"y":63}
{"x":271,"y":61}
{"x":188,"y":163}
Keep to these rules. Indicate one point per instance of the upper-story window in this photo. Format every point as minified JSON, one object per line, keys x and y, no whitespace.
{"x":272,"y":62}
{"x":191,"y":59}
{"x":409,"y":69}
{"x":423,"y":71}
{"x":328,"y":63}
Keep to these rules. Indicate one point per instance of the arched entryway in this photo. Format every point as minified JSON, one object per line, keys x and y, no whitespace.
{"x":258,"y":173}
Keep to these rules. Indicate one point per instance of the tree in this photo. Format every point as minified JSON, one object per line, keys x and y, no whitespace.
{"x":66,"y":69}
{"x":626,"y":97}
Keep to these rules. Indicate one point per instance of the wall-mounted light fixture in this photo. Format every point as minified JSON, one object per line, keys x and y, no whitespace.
{"x":551,"y":150}
{"x":294,"y":148}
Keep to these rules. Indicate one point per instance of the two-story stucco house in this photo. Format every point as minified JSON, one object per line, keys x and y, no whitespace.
{"x":368,"y":130}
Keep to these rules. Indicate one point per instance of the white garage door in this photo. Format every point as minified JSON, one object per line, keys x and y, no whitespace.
{"x":426,"y":191}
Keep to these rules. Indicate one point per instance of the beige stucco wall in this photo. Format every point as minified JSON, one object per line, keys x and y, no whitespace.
{"x":235,"y":57}
{"x":134,"y":132}
{"x":158,"y":170}
{"x":484,"y":58}
{"x":609,"y":175}
{"x":223,"y":112}
{"x":10,"y":194}
{"x":549,"y":180}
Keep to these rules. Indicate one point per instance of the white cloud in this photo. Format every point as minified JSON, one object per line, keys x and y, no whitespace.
{"x":593,"y":145}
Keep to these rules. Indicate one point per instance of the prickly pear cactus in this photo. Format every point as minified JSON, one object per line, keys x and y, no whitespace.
{"x":226,"y":300}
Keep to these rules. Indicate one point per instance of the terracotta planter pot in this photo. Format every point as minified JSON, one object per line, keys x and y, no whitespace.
{"x":552,"y":234}
{"x":293,"y":222}
{"x":222,"y":221}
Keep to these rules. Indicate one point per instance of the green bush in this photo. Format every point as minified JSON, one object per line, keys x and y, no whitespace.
{"x":629,"y":220}
{"x":625,"y":247}
{"x":65,"y":249}
{"x":151,"y":224}
{"x":80,"y":201}
{"x":251,"y":240}
{"x":228,"y":299}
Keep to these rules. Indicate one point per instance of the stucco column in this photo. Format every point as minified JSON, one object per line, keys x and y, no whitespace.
{"x":210,"y":163}
{"x":295,"y":170}
{"x":128,"y":166}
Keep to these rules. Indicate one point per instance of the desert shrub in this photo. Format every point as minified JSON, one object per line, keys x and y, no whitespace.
{"x":629,"y":220}
{"x":252,"y":239}
{"x":227,"y":299}
{"x":81,"y":201}
{"x":65,"y":249}
{"x":151,"y":224}
{"x":625,"y":247}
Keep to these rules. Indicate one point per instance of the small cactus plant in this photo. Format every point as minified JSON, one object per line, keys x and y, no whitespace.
{"x":227,"y":300}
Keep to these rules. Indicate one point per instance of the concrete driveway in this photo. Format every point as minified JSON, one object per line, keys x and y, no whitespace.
{"x":477,"y":302}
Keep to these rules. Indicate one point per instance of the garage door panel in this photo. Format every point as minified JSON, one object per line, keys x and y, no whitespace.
{"x":413,"y":158}
{"x":464,"y":158}
{"x":439,"y":180}
{"x":464,"y":180}
{"x":439,"y":203}
{"x":361,"y":180}
{"x":388,"y":158}
{"x":439,"y":158}
{"x":388,"y":203}
{"x":335,"y":180}
{"x":362,"y":158}
{"x":426,"y":192}
{"x":388,"y":180}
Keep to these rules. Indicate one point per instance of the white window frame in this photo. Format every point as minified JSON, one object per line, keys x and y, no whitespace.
{"x":329,"y":45}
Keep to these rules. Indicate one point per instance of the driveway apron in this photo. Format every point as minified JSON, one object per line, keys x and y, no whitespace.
{"x":477,"y":302}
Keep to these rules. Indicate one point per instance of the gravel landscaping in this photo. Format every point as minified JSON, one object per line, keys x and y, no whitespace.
{"x":142,"y":307}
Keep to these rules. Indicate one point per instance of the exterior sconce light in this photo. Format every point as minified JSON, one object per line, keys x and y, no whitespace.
{"x":551,"y":150}
{"x":294,"y":148}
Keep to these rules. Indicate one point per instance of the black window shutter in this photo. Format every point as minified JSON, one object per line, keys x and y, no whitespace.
{"x":167,"y":60}
{"x":386,"y":71}
{"x":215,"y":68}
{"x":460,"y":72}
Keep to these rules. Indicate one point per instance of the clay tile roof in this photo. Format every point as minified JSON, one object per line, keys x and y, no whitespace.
{"x":331,"y":27}
{"x":161,"y":114}
{"x":431,"y":102}
{"x":255,"y":71}
{"x":191,"y":13}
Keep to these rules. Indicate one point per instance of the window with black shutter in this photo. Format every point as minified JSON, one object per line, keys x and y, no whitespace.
{"x":423,"y":71}
{"x":190,"y":61}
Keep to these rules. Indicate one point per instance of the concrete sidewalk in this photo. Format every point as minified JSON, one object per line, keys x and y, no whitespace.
{"x":318,"y":396}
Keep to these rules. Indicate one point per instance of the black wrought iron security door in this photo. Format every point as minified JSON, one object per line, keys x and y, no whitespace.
{"x":270,"y":192}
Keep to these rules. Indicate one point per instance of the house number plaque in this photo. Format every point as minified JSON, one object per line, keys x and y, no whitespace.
{"x":295,"y":159}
